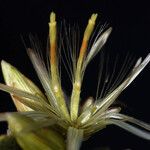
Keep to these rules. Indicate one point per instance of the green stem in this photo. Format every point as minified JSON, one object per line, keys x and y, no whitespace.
{"x":74,"y":138}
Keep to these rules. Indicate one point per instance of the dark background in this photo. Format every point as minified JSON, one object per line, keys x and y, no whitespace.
{"x":131,"y":33}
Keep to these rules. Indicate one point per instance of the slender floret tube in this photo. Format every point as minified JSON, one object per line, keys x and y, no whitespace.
{"x":75,"y":97}
{"x":54,"y":66}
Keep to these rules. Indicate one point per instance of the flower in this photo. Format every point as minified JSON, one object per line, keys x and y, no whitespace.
{"x":50,"y":109}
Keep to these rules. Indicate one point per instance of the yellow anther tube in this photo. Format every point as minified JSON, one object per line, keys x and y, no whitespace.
{"x":56,"y":85}
{"x":75,"y":97}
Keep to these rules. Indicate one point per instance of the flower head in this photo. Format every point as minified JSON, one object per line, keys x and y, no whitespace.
{"x":72,"y":120}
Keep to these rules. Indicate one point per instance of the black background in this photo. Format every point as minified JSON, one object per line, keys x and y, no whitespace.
{"x":131,"y":33}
